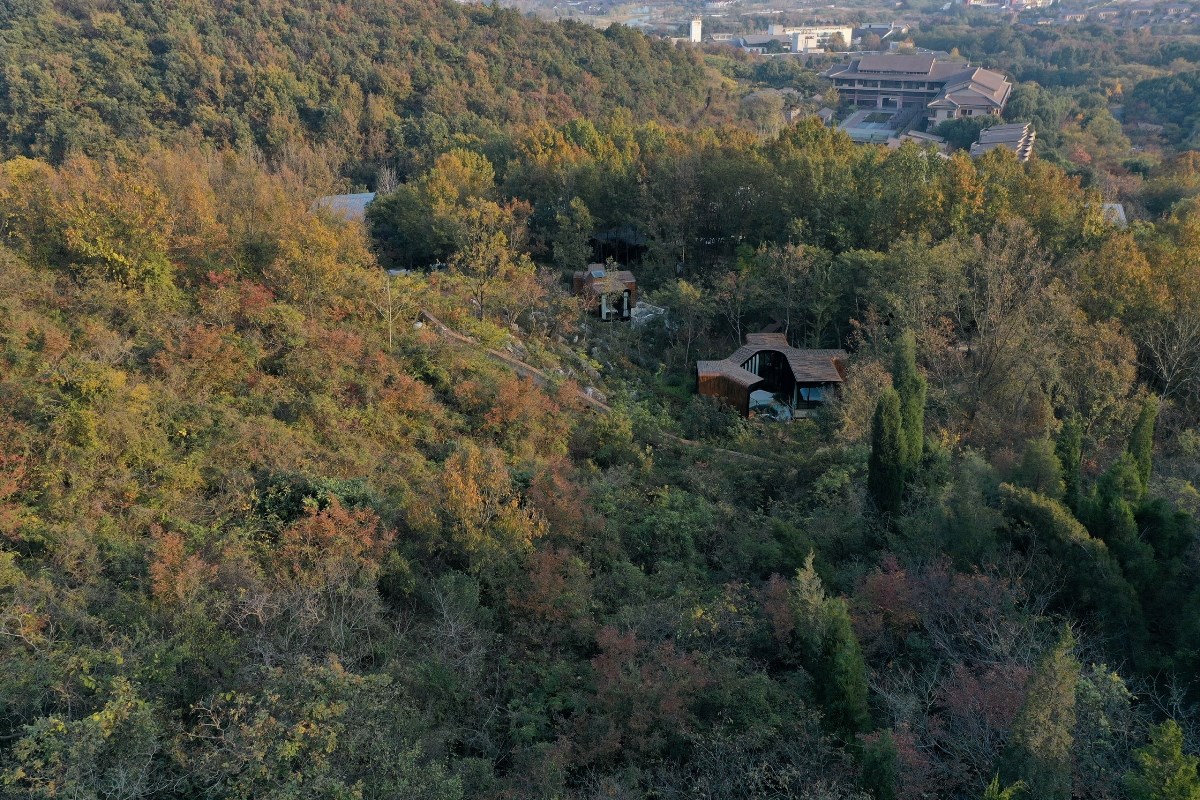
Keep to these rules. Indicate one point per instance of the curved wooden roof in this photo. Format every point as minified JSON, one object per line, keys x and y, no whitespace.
{"x":727,"y":369}
{"x":808,"y":366}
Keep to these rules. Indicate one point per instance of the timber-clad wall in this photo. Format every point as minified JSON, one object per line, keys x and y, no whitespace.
{"x":732,"y":393}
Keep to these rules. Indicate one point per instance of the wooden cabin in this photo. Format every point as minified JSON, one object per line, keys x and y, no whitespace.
{"x":767,"y":372}
{"x":610,"y":294}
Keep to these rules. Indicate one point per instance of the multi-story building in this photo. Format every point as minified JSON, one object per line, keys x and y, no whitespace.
{"x":805,"y":39}
{"x":947,"y":89}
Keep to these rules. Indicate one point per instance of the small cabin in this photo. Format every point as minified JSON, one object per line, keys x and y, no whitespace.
{"x":610,"y":294}
{"x":770,"y":377}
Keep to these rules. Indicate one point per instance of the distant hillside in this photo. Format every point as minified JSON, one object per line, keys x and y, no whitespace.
{"x":1172,"y":99}
{"x":353,"y":83}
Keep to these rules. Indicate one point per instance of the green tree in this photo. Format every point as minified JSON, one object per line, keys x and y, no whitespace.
{"x":401,"y":225}
{"x":1141,"y":440}
{"x":880,"y":766}
{"x":963,"y":132}
{"x":691,"y":313}
{"x":826,"y":645}
{"x":1111,"y":518}
{"x":994,"y":792}
{"x":116,"y":752}
{"x":1093,"y":578}
{"x":315,"y":730}
{"x":1069,"y":449}
{"x":115,"y":224}
{"x":912,"y":387}
{"x":569,"y":245}
{"x":842,"y":674}
{"x":739,"y":291}
{"x":487,"y":257}
{"x":764,"y":110}
{"x":1041,"y":470}
{"x":970,"y":522}
{"x":886,"y":468}
{"x":788,"y":269}
{"x":1040,"y":745}
{"x":1163,"y":771}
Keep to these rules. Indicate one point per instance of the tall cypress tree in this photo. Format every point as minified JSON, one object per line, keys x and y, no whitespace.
{"x":842,"y":675}
{"x":825,"y":641}
{"x":912,"y":388}
{"x":1040,"y":747}
{"x":886,"y":469}
{"x":1119,"y":492}
{"x":1069,"y":449}
{"x":881,"y":766}
{"x":1141,"y":441}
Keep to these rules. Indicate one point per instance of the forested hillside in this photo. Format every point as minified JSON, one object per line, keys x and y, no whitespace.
{"x":342,"y":86}
{"x":277,"y":523}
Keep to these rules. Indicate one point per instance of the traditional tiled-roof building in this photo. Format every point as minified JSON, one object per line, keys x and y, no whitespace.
{"x":1018,"y":137}
{"x":947,"y":89}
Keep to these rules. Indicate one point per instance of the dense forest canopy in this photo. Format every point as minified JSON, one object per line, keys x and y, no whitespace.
{"x":344,"y":84}
{"x":276,"y":522}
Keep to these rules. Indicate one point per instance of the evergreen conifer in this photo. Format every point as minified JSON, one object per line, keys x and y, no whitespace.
{"x":886,"y":468}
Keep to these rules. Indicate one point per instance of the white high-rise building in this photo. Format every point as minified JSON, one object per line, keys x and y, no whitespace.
{"x":694,"y":32}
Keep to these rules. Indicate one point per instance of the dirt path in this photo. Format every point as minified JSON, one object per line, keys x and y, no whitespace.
{"x":520,"y":367}
{"x":543,"y":380}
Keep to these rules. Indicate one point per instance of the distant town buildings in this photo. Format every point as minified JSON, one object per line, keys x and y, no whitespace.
{"x":1139,"y":15}
{"x":791,"y":39}
{"x":806,"y":39}
{"x":695,"y":33}
{"x":1018,"y":137}
{"x":947,"y":89}
{"x":826,"y":115}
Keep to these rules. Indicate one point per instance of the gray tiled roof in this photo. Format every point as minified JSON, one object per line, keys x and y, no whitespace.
{"x":347,"y":206}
